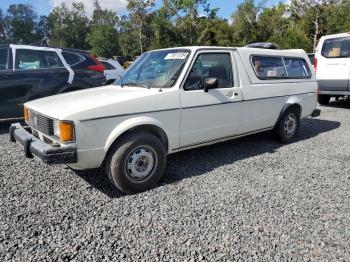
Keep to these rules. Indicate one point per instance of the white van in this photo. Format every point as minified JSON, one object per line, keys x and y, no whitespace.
{"x":168,"y":101}
{"x":332,"y":65}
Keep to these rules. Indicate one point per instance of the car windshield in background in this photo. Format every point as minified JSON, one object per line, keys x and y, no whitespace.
{"x":158,"y":69}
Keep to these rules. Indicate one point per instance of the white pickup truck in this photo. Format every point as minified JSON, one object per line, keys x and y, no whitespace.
{"x":170,"y":100}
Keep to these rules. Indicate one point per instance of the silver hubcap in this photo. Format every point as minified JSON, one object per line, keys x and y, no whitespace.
{"x":141,"y":162}
{"x":290,"y":125}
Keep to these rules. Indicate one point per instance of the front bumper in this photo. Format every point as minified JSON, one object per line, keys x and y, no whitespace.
{"x":34,"y":146}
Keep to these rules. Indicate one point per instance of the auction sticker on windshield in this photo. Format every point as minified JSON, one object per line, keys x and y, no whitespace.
{"x":178,"y":55}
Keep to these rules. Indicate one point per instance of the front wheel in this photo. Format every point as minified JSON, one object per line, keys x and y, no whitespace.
{"x":288,"y":126}
{"x":136,"y":162}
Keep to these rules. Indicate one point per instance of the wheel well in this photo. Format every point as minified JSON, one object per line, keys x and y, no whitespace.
{"x":297,"y":106}
{"x":152,"y":129}
{"x":286,"y":108}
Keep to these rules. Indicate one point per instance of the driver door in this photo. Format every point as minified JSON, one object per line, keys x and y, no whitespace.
{"x":207,"y":117}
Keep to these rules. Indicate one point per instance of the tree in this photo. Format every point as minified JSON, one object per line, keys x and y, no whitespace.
{"x":244,"y":23}
{"x":128,"y":45}
{"x":164,"y":33}
{"x":42,"y":28}
{"x":139,"y":10}
{"x":103,"y":37}
{"x":2,"y":26}
{"x":337,"y":18}
{"x":273,"y":23}
{"x":187,"y":18}
{"x":213,"y":31}
{"x":69,"y":26}
{"x":312,"y":12}
{"x":20,"y":23}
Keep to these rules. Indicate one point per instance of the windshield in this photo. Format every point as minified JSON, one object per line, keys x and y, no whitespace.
{"x":156,"y":69}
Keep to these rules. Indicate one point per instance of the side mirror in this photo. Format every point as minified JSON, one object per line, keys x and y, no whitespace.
{"x":210,"y":83}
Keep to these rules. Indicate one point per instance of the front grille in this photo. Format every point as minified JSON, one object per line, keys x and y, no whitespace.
{"x":40,"y":123}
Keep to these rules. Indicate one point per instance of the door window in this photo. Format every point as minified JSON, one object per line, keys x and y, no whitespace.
{"x":3,"y":58}
{"x":210,"y":66}
{"x":72,"y":59}
{"x":336,"y":48}
{"x":36,"y":59}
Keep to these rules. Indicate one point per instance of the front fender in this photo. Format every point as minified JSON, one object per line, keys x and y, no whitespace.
{"x":129,"y":124}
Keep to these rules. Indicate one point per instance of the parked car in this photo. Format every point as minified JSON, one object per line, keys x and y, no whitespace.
{"x":113,"y":70}
{"x":332,"y":65}
{"x":168,"y":101}
{"x":30,"y":72}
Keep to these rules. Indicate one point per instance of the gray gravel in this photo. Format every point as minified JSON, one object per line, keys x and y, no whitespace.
{"x":249,"y":199}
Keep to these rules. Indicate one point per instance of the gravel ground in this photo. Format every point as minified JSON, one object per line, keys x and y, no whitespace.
{"x":249,"y":199}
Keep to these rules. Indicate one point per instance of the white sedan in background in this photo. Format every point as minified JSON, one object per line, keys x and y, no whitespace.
{"x":112,"y":70}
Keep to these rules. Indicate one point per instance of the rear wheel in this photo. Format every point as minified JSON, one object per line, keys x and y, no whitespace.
{"x":288,"y":126}
{"x":136,"y":163}
{"x":323,"y":99}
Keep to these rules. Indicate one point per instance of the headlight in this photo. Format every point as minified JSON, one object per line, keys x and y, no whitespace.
{"x":64,"y":130}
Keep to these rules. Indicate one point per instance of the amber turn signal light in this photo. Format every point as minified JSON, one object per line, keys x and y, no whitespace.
{"x":26,"y":114}
{"x":66,"y":131}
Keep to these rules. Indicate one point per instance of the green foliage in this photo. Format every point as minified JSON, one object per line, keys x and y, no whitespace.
{"x":20,"y":20}
{"x":337,"y":19}
{"x":103,"y":40}
{"x":139,"y":15}
{"x":214,"y":32}
{"x":103,"y":36}
{"x":245,"y":23}
{"x":164,"y":33}
{"x":2,"y":26}
{"x":128,"y":45}
{"x":296,"y":24}
{"x":69,"y":27}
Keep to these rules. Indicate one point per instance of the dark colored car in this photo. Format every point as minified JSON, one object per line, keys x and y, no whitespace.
{"x":28,"y":73}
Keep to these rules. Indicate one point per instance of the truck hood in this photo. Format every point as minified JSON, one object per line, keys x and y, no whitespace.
{"x":68,"y":105}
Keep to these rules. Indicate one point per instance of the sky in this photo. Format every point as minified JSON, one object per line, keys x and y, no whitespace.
{"x":43,"y":7}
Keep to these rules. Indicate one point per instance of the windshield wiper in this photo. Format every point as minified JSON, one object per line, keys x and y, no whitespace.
{"x":137,"y":84}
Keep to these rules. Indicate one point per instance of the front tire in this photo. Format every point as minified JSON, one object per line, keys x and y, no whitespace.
{"x":323,"y":99}
{"x":288,"y":126}
{"x":136,"y":162}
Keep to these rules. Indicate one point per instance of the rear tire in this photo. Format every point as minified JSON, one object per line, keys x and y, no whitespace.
{"x":136,"y":162}
{"x":288,"y":126}
{"x":323,"y":99}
